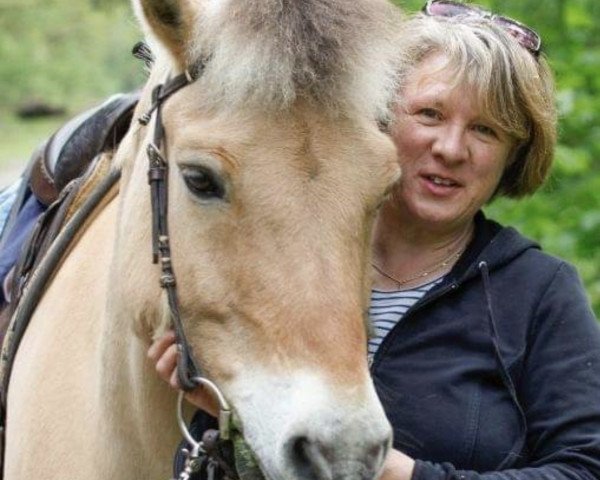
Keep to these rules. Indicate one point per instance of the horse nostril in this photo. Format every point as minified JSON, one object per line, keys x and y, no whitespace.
{"x":315,"y":459}
{"x":310,"y":459}
{"x":377,"y":453}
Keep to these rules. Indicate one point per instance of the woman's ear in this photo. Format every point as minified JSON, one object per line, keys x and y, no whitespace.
{"x":171,"y":22}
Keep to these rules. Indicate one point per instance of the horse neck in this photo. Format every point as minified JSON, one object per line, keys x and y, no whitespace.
{"x":135,"y":404}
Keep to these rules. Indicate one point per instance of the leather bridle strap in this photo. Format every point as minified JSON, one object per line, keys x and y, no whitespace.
{"x":163,"y":91}
{"x":187,"y":368}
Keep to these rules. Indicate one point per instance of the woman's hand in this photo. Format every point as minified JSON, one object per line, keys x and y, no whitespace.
{"x":397,"y":466}
{"x":163,"y":352}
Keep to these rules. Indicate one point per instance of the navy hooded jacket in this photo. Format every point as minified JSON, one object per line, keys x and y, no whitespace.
{"x":495,"y":374}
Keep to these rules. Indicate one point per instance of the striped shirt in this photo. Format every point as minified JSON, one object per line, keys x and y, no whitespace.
{"x":388,"y":308}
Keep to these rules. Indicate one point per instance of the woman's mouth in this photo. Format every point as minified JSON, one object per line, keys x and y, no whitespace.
{"x":439,"y":186}
{"x":446,"y":182}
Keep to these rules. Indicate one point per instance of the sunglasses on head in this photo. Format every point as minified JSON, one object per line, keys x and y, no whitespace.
{"x":526,"y":37}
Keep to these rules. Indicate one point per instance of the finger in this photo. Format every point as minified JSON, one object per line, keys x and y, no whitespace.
{"x":161,"y":344}
{"x":167,"y":363}
{"x":201,"y":398}
{"x":174,"y":379}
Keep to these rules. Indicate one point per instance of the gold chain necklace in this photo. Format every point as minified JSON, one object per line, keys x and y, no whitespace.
{"x":423,"y":273}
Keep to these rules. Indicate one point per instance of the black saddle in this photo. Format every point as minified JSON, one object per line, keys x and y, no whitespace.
{"x":67,"y":153}
{"x":60,"y":160}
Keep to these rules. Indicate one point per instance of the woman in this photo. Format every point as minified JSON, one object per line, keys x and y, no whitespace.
{"x":486,"y":351}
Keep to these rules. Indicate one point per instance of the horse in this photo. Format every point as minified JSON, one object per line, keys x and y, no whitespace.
{"x":276,"y":167}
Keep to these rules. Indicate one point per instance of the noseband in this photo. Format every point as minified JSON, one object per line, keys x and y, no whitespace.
{"x":189,"y":374}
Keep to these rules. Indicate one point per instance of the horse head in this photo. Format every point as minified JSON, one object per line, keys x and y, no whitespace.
{"x":276,"y":169}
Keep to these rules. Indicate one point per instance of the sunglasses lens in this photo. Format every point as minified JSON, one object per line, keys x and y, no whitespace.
{"x":525,"y":36}
{"x":447,"y":9}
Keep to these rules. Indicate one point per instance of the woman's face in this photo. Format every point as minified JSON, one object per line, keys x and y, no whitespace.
{"x":452,"y":156}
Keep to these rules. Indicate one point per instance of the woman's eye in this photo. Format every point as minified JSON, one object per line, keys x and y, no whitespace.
{"x":203,"y":183}
{"x":430,"y":113}
{"x":485,"y":130}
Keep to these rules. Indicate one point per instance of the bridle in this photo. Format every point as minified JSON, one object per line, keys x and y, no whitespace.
{"x":159,"y":195}
{"x":189,"y":374}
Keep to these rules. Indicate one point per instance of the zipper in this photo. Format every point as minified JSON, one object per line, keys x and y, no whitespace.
{"x":373,"y":360}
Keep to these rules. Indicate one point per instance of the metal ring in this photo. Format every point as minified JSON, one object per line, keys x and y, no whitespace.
{"x":224,"y":412}
{"x":182,"y":425}
{"x":223,"y":404}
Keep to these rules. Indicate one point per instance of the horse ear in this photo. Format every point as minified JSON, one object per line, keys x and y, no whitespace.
{"x":171,"y":22}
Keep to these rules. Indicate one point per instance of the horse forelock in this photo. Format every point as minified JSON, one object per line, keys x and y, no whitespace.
{"x":267,"y":54}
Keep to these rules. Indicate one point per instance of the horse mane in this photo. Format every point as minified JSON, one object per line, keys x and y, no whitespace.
{"x":266,"y":54}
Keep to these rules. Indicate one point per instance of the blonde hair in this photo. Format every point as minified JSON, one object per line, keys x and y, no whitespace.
{"x":514,"y":88}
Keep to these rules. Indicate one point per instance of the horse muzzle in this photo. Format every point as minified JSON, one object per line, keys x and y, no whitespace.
{"x":300,"y":428}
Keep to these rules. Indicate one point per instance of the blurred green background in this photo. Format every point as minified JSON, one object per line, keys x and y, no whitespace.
{"x":71,"y":54}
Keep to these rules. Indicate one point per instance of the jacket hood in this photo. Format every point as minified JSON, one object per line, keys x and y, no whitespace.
{"x":493,"y":244}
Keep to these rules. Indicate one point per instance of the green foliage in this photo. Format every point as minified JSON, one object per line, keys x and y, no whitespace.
{"x":65,"y":52}
{"x":74,"y":53}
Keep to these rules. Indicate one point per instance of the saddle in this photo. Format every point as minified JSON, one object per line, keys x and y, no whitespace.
{"x":66,"y":179}
{"x":67,"y":154}
{"x":55,"y":170}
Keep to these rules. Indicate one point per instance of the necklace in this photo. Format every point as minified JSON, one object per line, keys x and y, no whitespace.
{"x":423,"y":273}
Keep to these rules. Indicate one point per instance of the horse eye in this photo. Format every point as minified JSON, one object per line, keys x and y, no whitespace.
{"x":203,"y":183}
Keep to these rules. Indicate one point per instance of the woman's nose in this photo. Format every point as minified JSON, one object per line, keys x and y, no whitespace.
{"x":450,"y":145}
